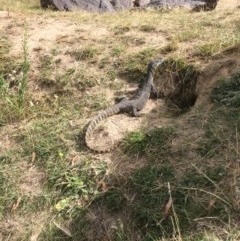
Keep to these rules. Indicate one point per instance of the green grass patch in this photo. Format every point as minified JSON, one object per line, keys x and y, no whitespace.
{"x":89,"y":53}
{"x":153,"y":144}
{"x":43,"y":138}
{"x":134,"y":67}
{"x":221,"y":129}
{"x":9,"y":192}
{"x":72,"y":188}
{"x":227,"y":91}
{"x":17,"y":194}
{"x":78,"y":187}
{"x":221,"y":133}
{"x":191,"y":195}
{"x":14,"y":100}
{"x":208,"y":49}
{"x":117,"y":51}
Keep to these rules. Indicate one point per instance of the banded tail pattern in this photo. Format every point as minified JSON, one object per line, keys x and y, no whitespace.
{"x":133,"y":105}
{"x":112,"y":110}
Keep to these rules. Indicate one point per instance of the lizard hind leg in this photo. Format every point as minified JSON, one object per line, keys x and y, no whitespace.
{"x":121,"y":99}
{"x":135,"y":113}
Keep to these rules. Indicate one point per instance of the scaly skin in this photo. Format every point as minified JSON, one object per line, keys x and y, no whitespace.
{"x":133,"y":105}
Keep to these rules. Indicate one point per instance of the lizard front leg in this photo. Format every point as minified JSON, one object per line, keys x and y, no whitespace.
{"x":135,"y":113}
{"x":154,"y":93}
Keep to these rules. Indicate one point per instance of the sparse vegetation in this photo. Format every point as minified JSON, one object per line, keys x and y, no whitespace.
{"x":25,"y":72}
{"x":88,"y":53}
{"x":152,"y":144}
{"x":14,"y":100}
{"x":171,"y":178}
{"x":134,"y":66}
{"x":227,"y":92}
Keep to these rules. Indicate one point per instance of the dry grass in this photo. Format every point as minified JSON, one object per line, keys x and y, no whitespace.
{"x":78,"y":63}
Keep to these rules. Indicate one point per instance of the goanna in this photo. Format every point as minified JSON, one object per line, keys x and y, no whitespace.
{"x":132,"y":105}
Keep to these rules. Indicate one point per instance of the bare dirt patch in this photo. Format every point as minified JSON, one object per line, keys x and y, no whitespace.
{"x":224,"y":64}
{"x":23,"y":226}
{"x":31,"y":181}
{"x":111,"y":131}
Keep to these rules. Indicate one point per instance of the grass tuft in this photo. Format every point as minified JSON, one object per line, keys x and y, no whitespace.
{"x":134,"y":66}
{"x":25,"y":72}
{"x":88,"y":53}
{"x":15,"y":98}
{"x":153,"y":143}
{"x":227,"y":91}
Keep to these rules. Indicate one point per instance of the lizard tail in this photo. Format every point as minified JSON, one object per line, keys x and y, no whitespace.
{"x":97,"y":119}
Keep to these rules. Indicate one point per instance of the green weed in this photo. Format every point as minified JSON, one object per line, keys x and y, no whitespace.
{"x":152,"y":191}
{"x":78,"y":187}
{"x":14,"y":99}
{"x":84,"y":82}
{"x":194,"y":178}
{"x":25,"y":72}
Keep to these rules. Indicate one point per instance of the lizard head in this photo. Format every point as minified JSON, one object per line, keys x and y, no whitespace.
{"x":155,"y":63}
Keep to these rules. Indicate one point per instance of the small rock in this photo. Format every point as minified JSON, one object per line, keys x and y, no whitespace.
{"x":77,"y":5}
{"x":141,"y":3}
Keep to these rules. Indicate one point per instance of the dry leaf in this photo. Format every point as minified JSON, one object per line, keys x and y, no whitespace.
{"x":63,"y":228}
{"x":33,"y":156}
{"x":210,"y":205}
{"x":102,"y":186}
{"x":15,"y":205}
{"x":167,"y":208}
